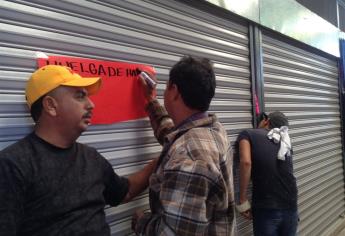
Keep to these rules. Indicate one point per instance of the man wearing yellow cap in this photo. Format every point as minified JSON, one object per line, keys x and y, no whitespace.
{"x":49,"y":183}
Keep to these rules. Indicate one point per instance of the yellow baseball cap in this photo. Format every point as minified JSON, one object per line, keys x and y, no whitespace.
{"x":49,"y":77}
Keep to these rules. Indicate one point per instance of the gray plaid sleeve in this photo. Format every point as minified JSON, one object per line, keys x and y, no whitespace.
{"x":161,"y":122}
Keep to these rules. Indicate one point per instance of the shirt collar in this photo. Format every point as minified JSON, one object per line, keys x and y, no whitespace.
{"x":195,"y":116}
{"x":196,"y":120}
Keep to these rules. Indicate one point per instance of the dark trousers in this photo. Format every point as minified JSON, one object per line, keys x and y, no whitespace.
{"x":274,"y":222}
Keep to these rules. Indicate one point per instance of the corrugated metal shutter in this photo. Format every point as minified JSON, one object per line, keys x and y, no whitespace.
{"x":305,"y":87}
{"x":157,"y":33}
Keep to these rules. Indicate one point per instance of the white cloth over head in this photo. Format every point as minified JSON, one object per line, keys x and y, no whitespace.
{"x":281,"y":135}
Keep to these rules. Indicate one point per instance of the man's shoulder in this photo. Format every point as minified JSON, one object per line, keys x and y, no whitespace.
{"x":209,"y":129}
{"x":16,"y":148}
{"x":205,"y":139}
{"x":253,"y":132}
{"x":200,"y":147}
{"x":17,"y":154}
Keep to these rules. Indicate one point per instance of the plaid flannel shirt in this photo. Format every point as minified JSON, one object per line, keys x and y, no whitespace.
{"x":191,"y":192}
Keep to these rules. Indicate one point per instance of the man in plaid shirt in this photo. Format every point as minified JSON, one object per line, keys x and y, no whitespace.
{"x":191,"y":191}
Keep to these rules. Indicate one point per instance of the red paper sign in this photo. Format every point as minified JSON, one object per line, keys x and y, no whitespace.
{"x":121,"y":96}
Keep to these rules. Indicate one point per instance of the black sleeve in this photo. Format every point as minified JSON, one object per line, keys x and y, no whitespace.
{"x":243,"y":135}
{"x":11,"y":197}
{"x":116,"y":187}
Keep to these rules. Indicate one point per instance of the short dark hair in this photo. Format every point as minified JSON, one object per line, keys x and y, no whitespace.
{"x":36,"y":109}
{"x":262,"y":116}
{"x":277,"y":120}
{"x":195,"y":80}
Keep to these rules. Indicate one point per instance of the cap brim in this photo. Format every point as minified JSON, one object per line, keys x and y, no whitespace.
{"x":92,"y":84}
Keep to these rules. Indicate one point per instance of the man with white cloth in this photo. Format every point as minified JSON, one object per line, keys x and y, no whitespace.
{"x":266,"y":158}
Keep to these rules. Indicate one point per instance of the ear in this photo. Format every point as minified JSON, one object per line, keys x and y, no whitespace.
{"x":49,"y":105}
{"x":175,"y":94}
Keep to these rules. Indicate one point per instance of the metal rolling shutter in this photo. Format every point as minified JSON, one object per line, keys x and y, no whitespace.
{"x":305,"y":87}
{"x":157,"y":33}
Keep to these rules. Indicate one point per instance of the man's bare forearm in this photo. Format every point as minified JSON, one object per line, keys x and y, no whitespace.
{"x":139,"y":181}
{"x":245,"y":168}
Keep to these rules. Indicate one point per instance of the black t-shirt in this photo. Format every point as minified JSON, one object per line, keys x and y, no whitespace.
{"x":274,"y":185}
{"x":46,"y":190}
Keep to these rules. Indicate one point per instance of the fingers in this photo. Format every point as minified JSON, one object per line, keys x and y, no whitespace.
{"x":148,"y":79}
{"x":149,"y":85}
{"x":152,"y":76}
{"x":143,"y":82}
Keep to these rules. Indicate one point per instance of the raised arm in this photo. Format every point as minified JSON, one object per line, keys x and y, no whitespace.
{"x":139,"y":181}
{"x":161,"y":123}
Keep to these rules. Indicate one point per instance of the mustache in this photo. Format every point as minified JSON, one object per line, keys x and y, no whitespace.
{"x":87,"y":114}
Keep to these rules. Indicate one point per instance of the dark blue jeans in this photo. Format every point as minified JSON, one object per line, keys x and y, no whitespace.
{"x":273,"y":222}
